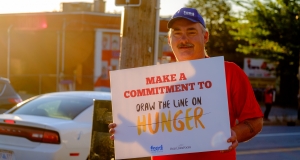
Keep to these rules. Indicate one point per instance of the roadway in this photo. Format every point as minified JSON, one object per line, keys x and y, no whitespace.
{"x":274,"y":142}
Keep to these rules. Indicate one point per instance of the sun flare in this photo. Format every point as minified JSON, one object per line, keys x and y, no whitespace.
{"x":22,"y":6}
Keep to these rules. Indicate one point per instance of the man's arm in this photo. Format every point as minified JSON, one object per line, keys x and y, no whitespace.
{"x":248,"y":128}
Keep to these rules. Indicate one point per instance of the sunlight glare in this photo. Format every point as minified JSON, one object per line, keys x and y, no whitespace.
{"x":111,"y":8}
{"x":24,"y":6}
{"x":167,"y":7}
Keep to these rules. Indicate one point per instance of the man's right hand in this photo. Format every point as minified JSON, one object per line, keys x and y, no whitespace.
{"x":111,"y":127}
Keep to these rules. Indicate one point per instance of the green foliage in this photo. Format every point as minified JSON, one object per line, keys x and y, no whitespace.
{"x":215,"y":13}
{"x":270,"y":29}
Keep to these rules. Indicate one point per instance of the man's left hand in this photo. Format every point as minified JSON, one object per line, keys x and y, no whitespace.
{"x":233,"y":140}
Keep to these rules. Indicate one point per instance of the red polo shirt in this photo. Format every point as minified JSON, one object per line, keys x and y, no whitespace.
{"x":242,"y":105}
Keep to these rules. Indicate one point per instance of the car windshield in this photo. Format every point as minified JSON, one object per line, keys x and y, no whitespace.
{"x":1,"y":87}
{"x":64,"y":107}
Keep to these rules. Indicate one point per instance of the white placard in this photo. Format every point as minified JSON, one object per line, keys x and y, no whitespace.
{"x":170,"y":108}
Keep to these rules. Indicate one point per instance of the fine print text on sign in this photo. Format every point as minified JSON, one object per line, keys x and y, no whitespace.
{"x":170,"y":108}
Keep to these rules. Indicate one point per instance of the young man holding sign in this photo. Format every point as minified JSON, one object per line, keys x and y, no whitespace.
{"x":187,"y":38}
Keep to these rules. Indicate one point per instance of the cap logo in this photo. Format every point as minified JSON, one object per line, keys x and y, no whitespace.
{"x":189,"y":13}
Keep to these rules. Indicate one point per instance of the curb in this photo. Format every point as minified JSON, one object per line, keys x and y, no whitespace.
{"x":283,"y":121}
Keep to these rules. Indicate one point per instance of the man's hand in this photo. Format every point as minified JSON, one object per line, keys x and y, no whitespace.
{"x":111,"y":127}
{"x":233,"y":140}
{"x":244,"y":131}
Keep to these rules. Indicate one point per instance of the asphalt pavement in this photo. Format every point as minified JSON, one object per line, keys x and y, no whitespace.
{"x":282,"y":116}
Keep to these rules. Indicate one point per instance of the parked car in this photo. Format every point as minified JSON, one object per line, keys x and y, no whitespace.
{"x":8,"y":96}
{"x":52,"y":126}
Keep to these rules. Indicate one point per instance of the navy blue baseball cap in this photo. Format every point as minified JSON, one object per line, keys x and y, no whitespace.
{"x":189,"y":14}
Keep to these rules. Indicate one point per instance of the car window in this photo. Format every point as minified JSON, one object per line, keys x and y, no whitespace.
{"x":54,"y":106}
{"x":2,"y":85}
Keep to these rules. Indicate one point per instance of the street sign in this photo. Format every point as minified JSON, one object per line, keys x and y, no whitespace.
{"x":130,"y":3}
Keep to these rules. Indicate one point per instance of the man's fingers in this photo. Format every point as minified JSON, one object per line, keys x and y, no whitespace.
{"x":111,"y":131}
{"x":112,"y":137}
{"x":233,"y":145}
{"x":233,"y":140}
{"x":112,"y":125}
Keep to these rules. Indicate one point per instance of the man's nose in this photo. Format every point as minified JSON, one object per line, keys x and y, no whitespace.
{"x":184,"y":38}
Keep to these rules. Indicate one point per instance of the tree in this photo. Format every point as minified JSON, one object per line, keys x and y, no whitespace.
{"x":216,"y":13}
{"x":271,"y":28}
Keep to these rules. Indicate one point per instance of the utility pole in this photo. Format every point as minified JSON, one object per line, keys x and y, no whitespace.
{"x":138,"y":35}
{"x":8,"y":50}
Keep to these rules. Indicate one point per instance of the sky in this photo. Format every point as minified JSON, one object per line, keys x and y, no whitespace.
{"x":168,"y":7}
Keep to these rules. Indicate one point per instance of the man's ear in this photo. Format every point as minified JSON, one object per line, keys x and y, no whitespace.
{"x":169,"y":42}
{"x":169,"y":39}
{"x":206,"y":37}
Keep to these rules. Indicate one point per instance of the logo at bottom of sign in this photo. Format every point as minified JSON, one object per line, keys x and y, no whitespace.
{"x":181,"y":146}
{"x":156,"y":149}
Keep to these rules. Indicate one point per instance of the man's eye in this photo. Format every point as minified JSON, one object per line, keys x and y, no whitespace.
{"x":192,"y":33}
{"x":177,"y":34}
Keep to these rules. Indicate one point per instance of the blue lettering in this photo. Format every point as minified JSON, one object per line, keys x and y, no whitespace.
{"x":156,"y":148}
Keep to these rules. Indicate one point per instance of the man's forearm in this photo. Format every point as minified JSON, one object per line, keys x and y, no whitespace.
{"x":248,"y":128}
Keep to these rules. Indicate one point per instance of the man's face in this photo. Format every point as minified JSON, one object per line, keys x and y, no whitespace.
{"x":187,"y":40}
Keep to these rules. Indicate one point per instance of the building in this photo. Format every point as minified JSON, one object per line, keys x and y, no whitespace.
{"x":52,"y":51}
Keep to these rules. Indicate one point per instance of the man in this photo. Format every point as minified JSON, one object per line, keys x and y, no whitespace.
{"x":187,"y":38}
{"x":269,"y":98}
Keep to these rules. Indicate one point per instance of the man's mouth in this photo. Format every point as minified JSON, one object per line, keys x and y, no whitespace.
{"x":183,"y":46}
